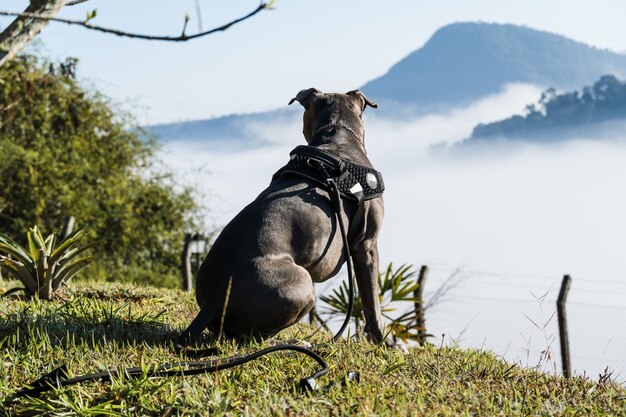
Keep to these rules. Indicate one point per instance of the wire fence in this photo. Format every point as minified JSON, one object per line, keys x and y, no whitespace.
{"x":515,"y":316}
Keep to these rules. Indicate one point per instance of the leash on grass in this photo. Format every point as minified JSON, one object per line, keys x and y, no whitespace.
{"x":60,"y":378}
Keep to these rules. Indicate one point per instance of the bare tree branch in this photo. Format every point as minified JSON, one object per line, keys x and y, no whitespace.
{"x":182,"y":38}
{"x":25,"y":28}
{"x":75,"y":2}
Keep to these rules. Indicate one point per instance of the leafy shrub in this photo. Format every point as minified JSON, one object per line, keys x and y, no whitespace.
{"x":66,"y":151}
{"x":44,"y":267}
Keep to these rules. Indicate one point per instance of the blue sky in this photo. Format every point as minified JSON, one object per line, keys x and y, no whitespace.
{"x":260,"y":64}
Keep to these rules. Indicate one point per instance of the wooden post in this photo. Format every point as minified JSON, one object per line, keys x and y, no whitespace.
{"x":186,"y":264}
{"x":419,"y":305}
{"x":560,"y":309}
{"x":197,"y":238}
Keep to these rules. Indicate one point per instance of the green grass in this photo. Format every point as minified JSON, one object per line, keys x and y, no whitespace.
{"x":100,"y":326}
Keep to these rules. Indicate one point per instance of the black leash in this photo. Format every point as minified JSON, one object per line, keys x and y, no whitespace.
{"x":335,"y":198}
{"x":60,"y":378}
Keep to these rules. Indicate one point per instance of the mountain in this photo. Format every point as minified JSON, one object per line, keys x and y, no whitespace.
{"x":464,"y":61}
{"x":460,"y":63}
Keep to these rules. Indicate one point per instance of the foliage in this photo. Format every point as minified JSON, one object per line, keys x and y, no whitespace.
{"x":396,"y":287}
{"x":66,"y":151}
{"x":44,"y":267}
{"x":105,"y":326}
{"x":605,"y":101}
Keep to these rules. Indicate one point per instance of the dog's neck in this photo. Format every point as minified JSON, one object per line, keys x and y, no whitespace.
{"x":341,"y":140}
{"x":341,"y":124}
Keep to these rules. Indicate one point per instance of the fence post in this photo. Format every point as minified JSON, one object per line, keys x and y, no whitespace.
{"x":186,"y":264}
{"x":560,"y":309}
{"x":419,"y":305}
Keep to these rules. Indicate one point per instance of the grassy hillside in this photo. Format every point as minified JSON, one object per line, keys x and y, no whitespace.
{"x":103,"y":325}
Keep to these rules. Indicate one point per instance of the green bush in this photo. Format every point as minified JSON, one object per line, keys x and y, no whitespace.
{"x":66,"y":151}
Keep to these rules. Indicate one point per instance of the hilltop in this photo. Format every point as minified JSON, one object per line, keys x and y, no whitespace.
{"x":111,"y":325}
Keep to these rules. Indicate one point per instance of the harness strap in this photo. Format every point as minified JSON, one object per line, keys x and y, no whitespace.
{"x":315,"y":153}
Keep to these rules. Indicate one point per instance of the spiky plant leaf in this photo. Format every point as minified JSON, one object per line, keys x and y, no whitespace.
{"x":70,"y":241}
{"x":20,"y":252}
{"x":69,"y":273}
{"x":21,"y":272}
{"x":75,"y":251}
{"x":16,"y":252}
{"x":50,"y":242}
{"x":63,"y":266}
{"x":36,"y":243}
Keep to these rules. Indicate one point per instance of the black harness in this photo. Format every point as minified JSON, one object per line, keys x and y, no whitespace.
{"x":356,"y":182}
{"x":353,"y":182}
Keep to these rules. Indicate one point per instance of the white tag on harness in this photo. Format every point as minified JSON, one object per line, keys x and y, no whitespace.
{"x":356,"y":188}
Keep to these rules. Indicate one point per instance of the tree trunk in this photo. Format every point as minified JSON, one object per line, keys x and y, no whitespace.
{"x":24,"y":29}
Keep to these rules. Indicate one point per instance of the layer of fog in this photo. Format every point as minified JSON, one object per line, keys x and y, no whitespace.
{"x":513,"y":221}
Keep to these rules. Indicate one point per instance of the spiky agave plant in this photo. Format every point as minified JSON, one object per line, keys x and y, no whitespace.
{"x":396,"y":286}
{"x":44,"y":267}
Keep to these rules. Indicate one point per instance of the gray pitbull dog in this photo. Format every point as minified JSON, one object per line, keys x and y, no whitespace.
{"x":265,"y":261}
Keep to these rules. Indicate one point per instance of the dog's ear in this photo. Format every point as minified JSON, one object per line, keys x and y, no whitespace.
{"x":303,"y":96}
{"x":366,"y":101}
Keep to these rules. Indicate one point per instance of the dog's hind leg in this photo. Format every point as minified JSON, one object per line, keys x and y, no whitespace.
{"x":295,"y":294}
{"x":193,"y":333}
{"x":279,"y":295}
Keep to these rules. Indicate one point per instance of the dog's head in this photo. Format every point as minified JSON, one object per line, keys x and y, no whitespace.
{"x":329,"y":108}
